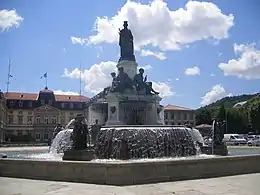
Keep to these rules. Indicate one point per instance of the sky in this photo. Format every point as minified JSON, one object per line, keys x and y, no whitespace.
{"x":194,"y":52}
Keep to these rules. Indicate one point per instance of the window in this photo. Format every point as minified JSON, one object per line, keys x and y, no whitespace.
{"x":71,"y":105}
{"x":20,"y":133}
{"x":62,"y":121}
{"x":10,"y":119}
{"x":50,"y":102}
{"x":54,"y":120}
{"x":185,"y":116}
{"x":30,"y":104}
{"x":11,"y":103}
{"x":79,"y":105}
{"x":46,"y":120}
{"x":173,"y":123}
{"x":46,"y":136}
{"x":166,"y":115}
{"x":191,"y":116}
{"x":42,"y":102}
{"x":20,"y":112}
{"x":20,"y":104}
{"x":38,"y":120}
{"x":37,"y":136}
{"x":172,"y":115}
{"x":29,"y":119}
{"x":20,"y":120}
{"x":166,"y":123}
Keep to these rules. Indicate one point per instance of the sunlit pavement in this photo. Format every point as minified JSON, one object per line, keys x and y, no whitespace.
{"x":235,"y":185}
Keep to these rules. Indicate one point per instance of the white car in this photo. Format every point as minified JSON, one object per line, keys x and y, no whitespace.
{"x":234,"y":139}
{"x":254,"y":142}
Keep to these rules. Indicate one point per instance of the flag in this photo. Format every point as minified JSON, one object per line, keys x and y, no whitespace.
{"x":44,"y":76}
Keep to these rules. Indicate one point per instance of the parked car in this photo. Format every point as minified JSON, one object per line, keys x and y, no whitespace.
{"x":234,"y":139}
{"x":254,"y":142}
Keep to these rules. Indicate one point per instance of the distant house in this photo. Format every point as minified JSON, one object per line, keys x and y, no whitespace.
{"x":239,"y":104}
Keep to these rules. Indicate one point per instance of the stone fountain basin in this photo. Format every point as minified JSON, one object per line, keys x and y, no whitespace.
{"x":129,"y":172}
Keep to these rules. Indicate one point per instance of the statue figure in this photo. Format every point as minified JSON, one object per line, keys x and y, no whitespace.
{"x":126,"y":43}
{"x":141,"y":84}
{"x":80,"y":133}
{"x":122,"y":81}
{"x":218,"y":132}
{"x":113,"y":86}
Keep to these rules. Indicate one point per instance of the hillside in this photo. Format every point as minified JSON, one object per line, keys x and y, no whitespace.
{"x":229,"y":102}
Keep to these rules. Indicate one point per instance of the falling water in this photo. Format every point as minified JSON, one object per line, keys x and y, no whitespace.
{"x":145,"y":142}
{"x":62,"y":141}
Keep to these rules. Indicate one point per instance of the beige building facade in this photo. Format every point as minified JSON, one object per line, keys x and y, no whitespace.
{"x":32,"y":117}
{"x":176,"y":115}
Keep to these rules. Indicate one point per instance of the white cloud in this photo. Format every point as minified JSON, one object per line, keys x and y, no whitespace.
{"x":78,"y":40}
{"x":177,"y":79}
{"x":164,"y":89}
{"x":9,"y":19}
{"x":192,"y":71}
{"x":60,"y":92}
{"x":158,"y":55}
{"x":97,"y":77}
{"x":247,"y":65}
{"x":147,"y":67}
{"x":155,"y":24}
{"x":212,"y":75}
{"x":217,"y":92}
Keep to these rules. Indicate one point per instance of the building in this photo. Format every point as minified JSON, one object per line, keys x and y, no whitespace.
{"x":3,"y":110}
{"x":176,"y":115}
{"x":32,"y":116}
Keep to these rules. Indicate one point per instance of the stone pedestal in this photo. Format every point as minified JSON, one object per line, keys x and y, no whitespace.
{"x":113,"y":109}
{"x":217,"y":150}
{"x":78,"y":155}
{"x":130,"y":67}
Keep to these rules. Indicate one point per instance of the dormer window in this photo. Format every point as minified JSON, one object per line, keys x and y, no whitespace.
{"x":21,"y":95}
{"x":69,"y":97}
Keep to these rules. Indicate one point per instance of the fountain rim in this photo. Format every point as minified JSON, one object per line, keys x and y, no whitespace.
{"x":111,"y":126}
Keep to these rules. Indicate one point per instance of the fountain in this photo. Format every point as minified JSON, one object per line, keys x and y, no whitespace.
{"x":129,"y":142}
{"x":134,"y":125}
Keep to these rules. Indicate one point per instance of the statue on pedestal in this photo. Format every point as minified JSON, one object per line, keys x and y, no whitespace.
{"x":80,"y":133}
{"x":141,"y":83}
{"x":218,"y":132}
{"x":126,"y":43}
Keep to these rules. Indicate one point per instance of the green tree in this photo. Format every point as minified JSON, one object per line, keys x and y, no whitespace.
{"x":203,"y":116}
{"x":221,"y":115}
{"x":253,"y":106}
{"x":237,"y":121}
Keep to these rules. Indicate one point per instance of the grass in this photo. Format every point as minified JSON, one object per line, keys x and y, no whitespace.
{"x":243,"y":147}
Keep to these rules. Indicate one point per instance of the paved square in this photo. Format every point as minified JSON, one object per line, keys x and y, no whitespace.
{"x":235,"y":185}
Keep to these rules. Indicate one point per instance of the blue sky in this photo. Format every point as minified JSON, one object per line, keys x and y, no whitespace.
{"x":195,"y":52}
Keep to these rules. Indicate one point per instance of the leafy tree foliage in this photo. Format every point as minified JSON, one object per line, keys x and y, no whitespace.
{"x":238,"y":119}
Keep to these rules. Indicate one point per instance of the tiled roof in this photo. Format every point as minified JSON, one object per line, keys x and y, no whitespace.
{"x":174,"y":107}
{"x":34,"y":96}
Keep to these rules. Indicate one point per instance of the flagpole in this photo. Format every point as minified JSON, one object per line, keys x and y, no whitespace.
{"x":46,"y":81}
{"x":80,"y":80}
{"x":8,"y":76}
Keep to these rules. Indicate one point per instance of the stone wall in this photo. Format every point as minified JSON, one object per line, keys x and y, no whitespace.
{"x":126,"y":173}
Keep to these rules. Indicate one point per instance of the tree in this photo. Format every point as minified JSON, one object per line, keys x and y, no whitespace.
{"x":203,"y":116}
{"x":253,"y":106}
{"x":237,"y":121}
{"x":221,"y":115}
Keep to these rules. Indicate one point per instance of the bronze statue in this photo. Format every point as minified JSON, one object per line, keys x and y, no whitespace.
{"x":141,"y":83}
{"x":80,"y":133}
{"x":218,"y":132}
{"x":126,"y":43}
{"x":122,"y":81}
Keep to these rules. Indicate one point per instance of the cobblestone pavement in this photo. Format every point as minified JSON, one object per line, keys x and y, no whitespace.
{"x":235,"y":185}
